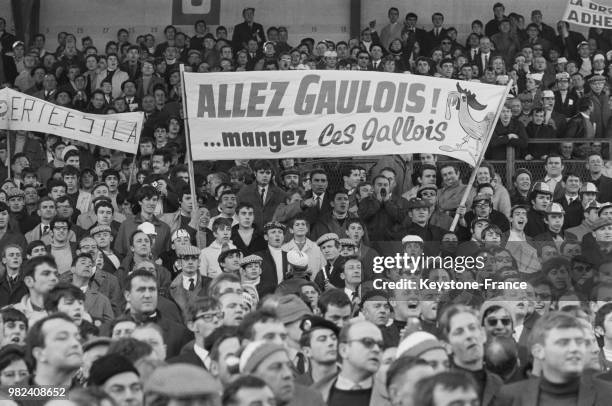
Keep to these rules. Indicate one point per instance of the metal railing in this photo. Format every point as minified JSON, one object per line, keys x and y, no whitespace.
{"x":505,"y":168}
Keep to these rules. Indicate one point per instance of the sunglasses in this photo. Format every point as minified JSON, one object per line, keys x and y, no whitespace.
{"x":492,"y":322}
{"x":368,"y":342}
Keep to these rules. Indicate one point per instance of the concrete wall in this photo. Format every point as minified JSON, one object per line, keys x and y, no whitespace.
{"x":319,"y":19}
{"x":461,"y":13}
{"x":101,"y":19}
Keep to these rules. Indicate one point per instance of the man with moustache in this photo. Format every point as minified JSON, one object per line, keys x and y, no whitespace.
{"x":558,"y":344}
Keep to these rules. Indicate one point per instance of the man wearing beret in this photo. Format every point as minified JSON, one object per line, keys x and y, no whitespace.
{"x":117,"y":376}
{"x":319,"y":343}
{"x":189,"y":283}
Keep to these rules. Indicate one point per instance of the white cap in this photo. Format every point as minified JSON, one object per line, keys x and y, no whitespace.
{"x":535,"y":76}
{"x":548,"y":93}
{"x":502,"y":79}
{"x":147,"y":228}
{"x":412,"y":238}
{"x":297,"y":258}
{"x":68,"y":149}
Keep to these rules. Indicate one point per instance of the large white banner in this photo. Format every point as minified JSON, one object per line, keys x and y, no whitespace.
{"x":588,"y":13}
{"x":19,"y":111}
{"x":302,"y":114}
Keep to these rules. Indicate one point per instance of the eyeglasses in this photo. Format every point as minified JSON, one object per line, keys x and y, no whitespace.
{"x":190,"y":257}
{"x":364,"y":57}
{"x":368,"y":342}
{"x":208,"y":317}
{"x":543,"y":296}
{"x":482,"y":205}
{"x":505,"y":321}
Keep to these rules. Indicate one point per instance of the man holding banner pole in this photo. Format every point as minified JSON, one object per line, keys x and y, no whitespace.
{"x":195,"y":211}
{"x":315,"y":114}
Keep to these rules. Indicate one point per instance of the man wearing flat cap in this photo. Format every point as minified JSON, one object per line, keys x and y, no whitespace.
{"x":602,"y":249}
{"x":601,"y":112}
{"x":274,"y":266}
{"x":329,"y":244}
{"x":189,"y":283}
{"x":117,"y":376}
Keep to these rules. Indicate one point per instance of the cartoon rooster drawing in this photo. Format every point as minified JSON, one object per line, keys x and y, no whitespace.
{"x":463,"y":100}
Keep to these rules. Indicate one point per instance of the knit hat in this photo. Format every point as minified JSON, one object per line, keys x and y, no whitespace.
{"x":108,"y":366}
{"x":417,"y":343}
{"x":291,"y":308}
{"x":255,"y":353}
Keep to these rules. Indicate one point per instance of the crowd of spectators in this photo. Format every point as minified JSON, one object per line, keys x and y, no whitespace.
{"x":120,"y":287}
